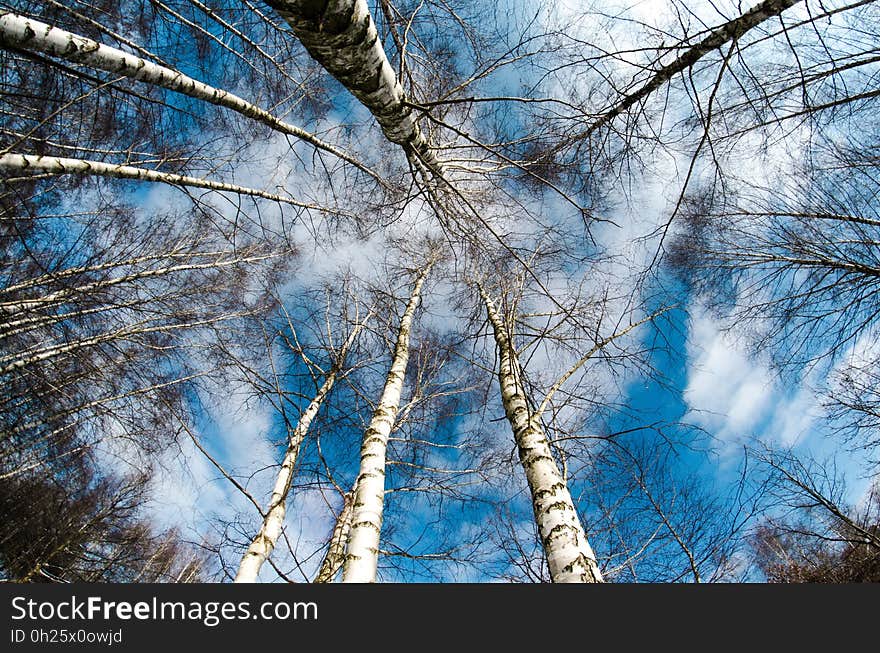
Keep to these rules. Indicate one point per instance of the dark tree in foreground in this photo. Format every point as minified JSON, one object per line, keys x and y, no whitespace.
{"x":79,"y":528}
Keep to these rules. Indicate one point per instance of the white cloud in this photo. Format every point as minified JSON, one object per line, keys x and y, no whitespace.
{"x":737,"y":396}
{"x":184,"y":491}
{"x":793,"y":419}
{"x":727,"y":392}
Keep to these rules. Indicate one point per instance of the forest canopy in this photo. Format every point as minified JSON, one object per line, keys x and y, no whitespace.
{"x":439,"y":290}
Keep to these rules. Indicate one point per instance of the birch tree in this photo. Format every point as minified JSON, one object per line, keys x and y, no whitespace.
{"x":422,"y":467}
{"x":335,"y":556}
{"x":569,"y":555}
{"x":29,"y":34}
{"x":273,"y":521}
{"x":107,"y":312}
{"x":342,"y":37}
{"x":362,"y":552}
{"x":64,"y":326}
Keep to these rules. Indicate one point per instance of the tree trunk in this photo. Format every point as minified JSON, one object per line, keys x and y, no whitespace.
{"x":336,"y":552}
{"x":362,"y":557}
{"x":27,"y":33}
{"x":58,"y":296}
{"x":63,"y":166}
{"x":569,"y":556}
{"x":729,"y":31}
{"x":342,"y":37}
{"x":264,"y":542}
{"x":32,"y":356}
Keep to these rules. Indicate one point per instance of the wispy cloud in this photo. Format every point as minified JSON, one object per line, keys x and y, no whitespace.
{"x":738,"y":397}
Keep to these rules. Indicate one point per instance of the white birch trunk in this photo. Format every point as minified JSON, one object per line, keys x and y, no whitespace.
{"x":31,"y":323}
{"x":335,"y":557}
{"x":569,"y":556}
{"x":60,"y":295}
{"x":27,"y":33}
{"x":18,"y":360}
{"x":63,"y":166}
{"x":342,"y":37}
{"x":362,"y":555}
{"x":264,"y":542}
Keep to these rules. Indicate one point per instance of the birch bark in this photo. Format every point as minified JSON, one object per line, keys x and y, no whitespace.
{"x":27,"y":33}
{"x":335,"y":557}
{"x":729,"y":31}
{"x":342,"y":37}
{"x":362,"y":556}
{"x":264,"y":542}
{"x":20,"y":359}
{"x":63,"y":166}
{"x":569,"y":556}
{"x":12,"y":307}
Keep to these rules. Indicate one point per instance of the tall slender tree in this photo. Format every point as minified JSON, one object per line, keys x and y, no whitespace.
{"x":273,"y":521}
{"x":362,"y":552}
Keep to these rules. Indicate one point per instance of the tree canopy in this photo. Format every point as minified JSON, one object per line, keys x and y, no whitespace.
{"x":306,"y":290}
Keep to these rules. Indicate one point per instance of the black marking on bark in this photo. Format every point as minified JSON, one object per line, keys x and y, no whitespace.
{"x":550,"y":491}
{"x":336,"y":23}
{"x":530,"y":461}
{"x":582,"y":561}
{"x":374,"y":439}
{"x":556,"y":505}
{"x":556,"y":531}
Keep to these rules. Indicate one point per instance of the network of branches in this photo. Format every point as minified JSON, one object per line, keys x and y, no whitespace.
{"x":298,"y":290}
